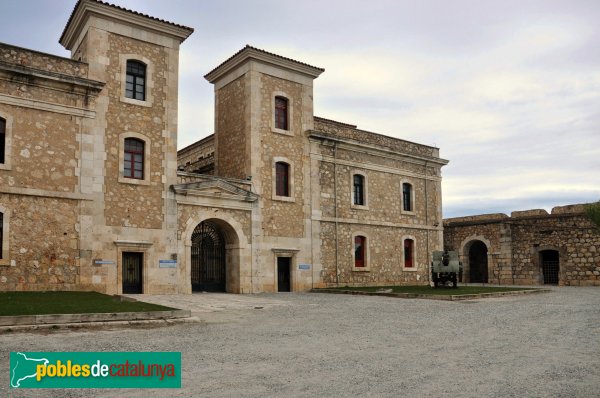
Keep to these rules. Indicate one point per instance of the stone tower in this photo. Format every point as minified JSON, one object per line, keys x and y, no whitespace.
{"x":263,"y":109}
{"x":129,"y":149}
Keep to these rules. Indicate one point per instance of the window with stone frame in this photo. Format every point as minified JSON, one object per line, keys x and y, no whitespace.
{"x":360,"y":251}
{"x":407,"y":204}
{"x":133,"y":162}
{"x":282,"y":179}
{"x":281,"y":113}
{"x":135,"y":80}
{"x":359,"y":189}
{"x":2,"y":140}
{"x":409,"y":253}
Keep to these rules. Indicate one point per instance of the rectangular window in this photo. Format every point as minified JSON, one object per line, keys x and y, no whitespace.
{"x":282,"y":186}
{"x":133,"y":161}
{"x":408,"y":253}
{"x":2,"y":139}
{"x":407,"y":197}
{"x":359,"y":251}
{"x":359,"y":190}
{"x":135,"y":80}
{"x":281,"y":113}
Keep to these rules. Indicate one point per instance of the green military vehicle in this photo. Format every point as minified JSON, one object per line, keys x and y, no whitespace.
{"x":445,"y":268}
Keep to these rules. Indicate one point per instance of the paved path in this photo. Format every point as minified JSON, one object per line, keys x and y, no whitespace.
{"x":314,"y":345}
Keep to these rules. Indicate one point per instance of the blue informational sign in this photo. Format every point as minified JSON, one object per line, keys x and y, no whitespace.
{"x":304,"y":266}
{"x":103,"y":262}
{"x":167,"y":263}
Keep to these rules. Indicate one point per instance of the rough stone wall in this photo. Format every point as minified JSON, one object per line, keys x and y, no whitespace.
{"x":231,"y":129}
{"x":52,"y":262}
{"x":384,"y":257}
{"x":44,"y":148}
{"x":37,"y":60}
{"x":135,"y":205}
{"x":496,"y":235}
{"x":342,"y":130}
{"x":383,"y":220}
{"x":282,"y":218}
{"x":514,"y":244}
{"x":198,"y":157}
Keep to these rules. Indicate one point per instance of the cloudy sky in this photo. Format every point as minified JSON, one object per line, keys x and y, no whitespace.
{"x":508,"y":90}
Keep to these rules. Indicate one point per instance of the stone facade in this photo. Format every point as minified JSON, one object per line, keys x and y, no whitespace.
{"x":198,"y":157}
{"x":80,"y":221}
{"x":529,"y":246}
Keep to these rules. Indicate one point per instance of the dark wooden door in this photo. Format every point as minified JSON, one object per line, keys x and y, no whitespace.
{"x":283,"y":274}
{"x":132,"y":265}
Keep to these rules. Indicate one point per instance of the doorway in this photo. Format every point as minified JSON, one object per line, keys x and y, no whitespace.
{"x":283,"y":274}
{"x":478,"y":262}
{"x":132,"y":265}
{"x":550,"y":266}
{"x":208,"y":258}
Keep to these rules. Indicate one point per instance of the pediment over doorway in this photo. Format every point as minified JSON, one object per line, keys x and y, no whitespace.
{"x":215,"y":187}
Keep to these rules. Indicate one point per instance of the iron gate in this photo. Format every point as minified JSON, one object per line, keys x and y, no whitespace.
{"x":550,"y":266}
{"x":208,"y":258}
{"x":132,"y":272}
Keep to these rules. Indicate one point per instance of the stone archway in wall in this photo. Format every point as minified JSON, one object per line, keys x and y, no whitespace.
{"x":475,"y":259}
{"x":478,"y":262}
{"x":214,"y":249}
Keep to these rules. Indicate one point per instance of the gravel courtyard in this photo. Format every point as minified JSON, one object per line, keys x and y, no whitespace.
{"x":313,"y":345}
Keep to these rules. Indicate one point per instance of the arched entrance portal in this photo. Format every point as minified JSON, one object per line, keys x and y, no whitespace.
{"x":478,"y":262}
{"x":208,"y":268}
{"x":549,"y":260}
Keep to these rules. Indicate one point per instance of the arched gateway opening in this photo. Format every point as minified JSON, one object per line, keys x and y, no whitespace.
{"x":209,"y":258}
{"x":478,"y":262}
{"x":549,"y":260}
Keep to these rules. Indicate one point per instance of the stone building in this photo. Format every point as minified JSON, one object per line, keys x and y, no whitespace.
{"x":94,"y":196}
{"x":530,"y":247}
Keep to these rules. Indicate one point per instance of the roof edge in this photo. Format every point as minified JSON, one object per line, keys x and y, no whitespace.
{"x":84,"y":8}
{"x":253,"y":53}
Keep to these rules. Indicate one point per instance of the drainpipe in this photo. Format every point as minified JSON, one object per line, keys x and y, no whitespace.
{"x":335,"y":215}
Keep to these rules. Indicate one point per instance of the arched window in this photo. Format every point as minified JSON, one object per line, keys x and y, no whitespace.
{"x":407,"y":204}
{"x":133,"y":164}
{"x":409,"y":253}
{"x":359,"y":189}
{"x":281,"y":113}
{"x":360,"y":251}
{"x":282,"y":179}
{"x":135,"y":83}
{"x":2,"y":139}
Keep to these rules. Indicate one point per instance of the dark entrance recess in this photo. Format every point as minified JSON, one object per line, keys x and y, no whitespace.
{"x":478,"y":262}
{"x":550,"y":266}
{"x":208,"y":258}
{"x":283,"y":274}
{"x":132,"y":265}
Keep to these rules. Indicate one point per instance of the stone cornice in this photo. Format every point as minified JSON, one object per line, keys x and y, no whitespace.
{"x":346,"y":143}
{"x":250,"y":53}
{"x":86,"y":8}
{"x":91,"y":86}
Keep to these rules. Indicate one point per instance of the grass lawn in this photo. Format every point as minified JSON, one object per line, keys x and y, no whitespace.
{"x":40,"y":303}
{"x":444,"y":291}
